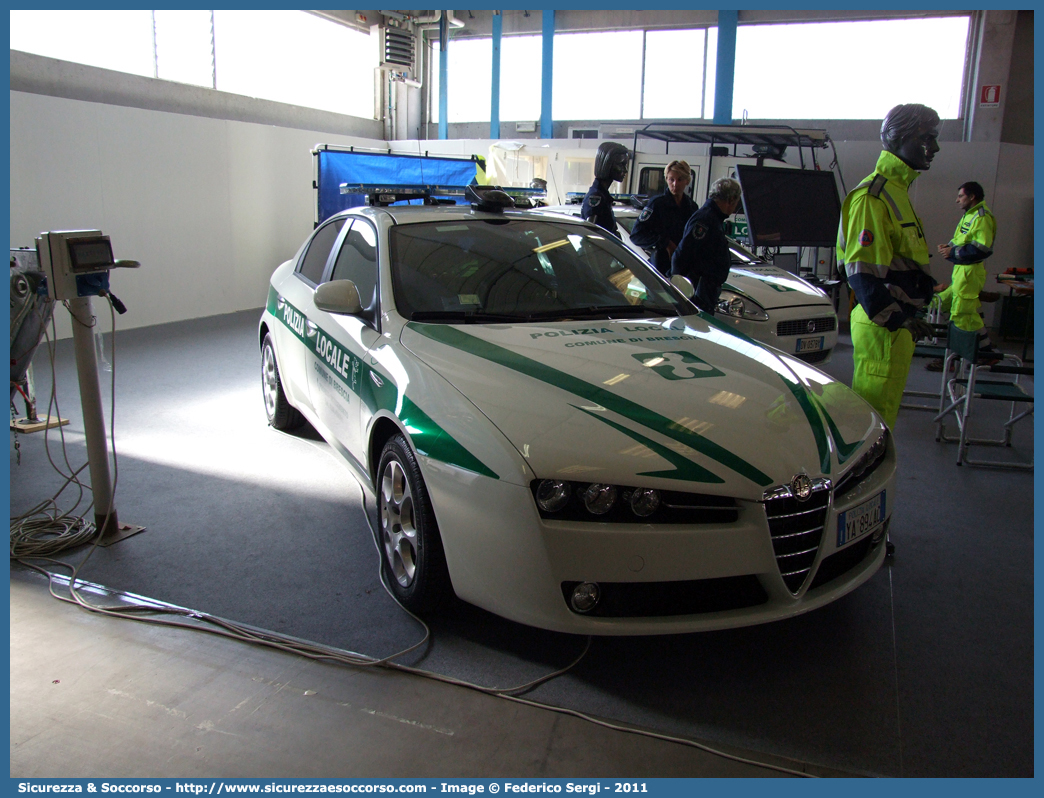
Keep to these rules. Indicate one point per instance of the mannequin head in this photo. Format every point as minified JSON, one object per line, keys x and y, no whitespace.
{"x":611,"y":161}
{"x":910,"y":132}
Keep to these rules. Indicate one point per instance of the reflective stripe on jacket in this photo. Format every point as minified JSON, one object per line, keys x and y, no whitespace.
{"x":881,"y":245}
{"x":972,"y":242}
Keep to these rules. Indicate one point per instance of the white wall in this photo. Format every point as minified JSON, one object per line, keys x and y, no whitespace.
{"x":1012,"y":204}
{"x":209,"y":207}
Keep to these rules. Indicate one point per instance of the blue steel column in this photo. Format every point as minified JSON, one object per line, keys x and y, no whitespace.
{"x":494,"y":99}
{"x":443,"y":73}
{"x":726,"y":74}
{"x":546,"y":126}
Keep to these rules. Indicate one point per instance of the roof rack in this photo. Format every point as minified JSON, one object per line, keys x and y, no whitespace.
{"x":634,"y":200}
{"x":381,"y":194}
{"x":768,"y":138}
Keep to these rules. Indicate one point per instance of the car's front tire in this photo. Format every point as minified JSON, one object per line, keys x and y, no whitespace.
{"x":411,"y":548}
{"x":281,"y":414}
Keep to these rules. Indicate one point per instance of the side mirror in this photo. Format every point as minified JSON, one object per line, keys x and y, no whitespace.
{"x":338,"y":296}
{"x":684,"y":285}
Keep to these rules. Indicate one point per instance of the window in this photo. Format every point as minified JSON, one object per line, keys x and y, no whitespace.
{"x":314,"y":261}
{"x":469,"y":79}
{"x":673,"y":74}
{"x":357,"y":261}
{"x":518,"y":269}
{"x":185,"y":47}
{"x":294,"y":57}
{"x":287,"y":56}
{"x":520,"y":59}
{"x":119,"y":40}
{"x":598,"y":75}
{"x":849,"y":70}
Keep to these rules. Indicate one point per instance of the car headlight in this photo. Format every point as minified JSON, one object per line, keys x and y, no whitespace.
{"x":740,"y":307}
{"x":559,"y":500}
{"x":867,"y":462}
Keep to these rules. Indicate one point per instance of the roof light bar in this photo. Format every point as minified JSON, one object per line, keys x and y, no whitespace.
{"x":382,"y":194}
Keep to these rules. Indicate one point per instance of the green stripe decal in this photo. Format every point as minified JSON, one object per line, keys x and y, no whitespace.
{"x":844,"y":450}
{"x":801,"y":394}
{"x":433,"y":441}
{"x":427,"y":436}
{"x":814,"y":421}
{"x":457,"y":339}
{"x":684,"y":468}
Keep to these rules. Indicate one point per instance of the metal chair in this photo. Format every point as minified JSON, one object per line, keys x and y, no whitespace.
{"x":930,"y":348}
{"x":966,"y":387}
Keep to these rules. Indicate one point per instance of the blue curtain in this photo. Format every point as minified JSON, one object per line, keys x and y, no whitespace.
{"x":337,"y":167}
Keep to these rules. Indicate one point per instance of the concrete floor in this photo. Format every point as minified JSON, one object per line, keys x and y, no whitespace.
{"x":123,"y":699}
{"x":926,"y":670}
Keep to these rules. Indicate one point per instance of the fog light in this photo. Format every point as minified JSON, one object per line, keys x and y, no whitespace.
{"x":644,"y":501}
{"x":552,"y":495}
{"x":599,"y":498}
{"x":585,"y":597}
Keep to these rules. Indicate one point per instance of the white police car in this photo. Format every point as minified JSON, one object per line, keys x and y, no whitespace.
{"x":553,"y":433}
{"x":760,"y":300}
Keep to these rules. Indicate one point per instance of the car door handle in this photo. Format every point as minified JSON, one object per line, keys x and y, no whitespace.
{"x":376,"y":380}
{"x":311,"y":327}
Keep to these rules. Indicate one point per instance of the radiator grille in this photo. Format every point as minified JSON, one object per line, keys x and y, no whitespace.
{"x":797,"y":531}
{"x":841,"y":562}
{"x":801,"y":326}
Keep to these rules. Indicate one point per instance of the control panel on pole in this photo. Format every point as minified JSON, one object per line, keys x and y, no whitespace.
{"x":77,"y":263}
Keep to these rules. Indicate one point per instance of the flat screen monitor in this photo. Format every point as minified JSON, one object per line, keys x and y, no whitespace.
{"x":790,"y":207}
{"x":788,"y":261}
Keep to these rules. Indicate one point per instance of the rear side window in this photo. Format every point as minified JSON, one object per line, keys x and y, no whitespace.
{"x":314,"y":261}
{"x":651,"y":181}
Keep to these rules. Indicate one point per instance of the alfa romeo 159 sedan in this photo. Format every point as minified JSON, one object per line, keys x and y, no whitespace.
{"x":553,"y":432}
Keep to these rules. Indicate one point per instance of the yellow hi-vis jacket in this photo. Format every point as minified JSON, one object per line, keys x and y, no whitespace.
{"x":881,"y":245}
{"x":972,"y":243}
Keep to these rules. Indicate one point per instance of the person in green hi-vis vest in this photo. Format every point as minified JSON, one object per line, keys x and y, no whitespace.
{"x":884,"y":254}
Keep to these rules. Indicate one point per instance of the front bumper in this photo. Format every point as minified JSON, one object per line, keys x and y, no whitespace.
{"x":789,"y":330}
{"x":505,"y":558}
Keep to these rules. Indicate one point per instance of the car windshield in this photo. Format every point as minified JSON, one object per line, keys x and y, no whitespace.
{"x":627,"y":222}
{"x":741,"y":256}
{"x":513,"y":269}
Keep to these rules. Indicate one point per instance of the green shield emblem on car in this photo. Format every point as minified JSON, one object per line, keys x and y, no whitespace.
{"x":678,"y":365}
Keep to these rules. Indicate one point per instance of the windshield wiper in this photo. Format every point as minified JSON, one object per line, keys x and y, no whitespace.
{"x":467,"y":316}
{"x":613,"y":311}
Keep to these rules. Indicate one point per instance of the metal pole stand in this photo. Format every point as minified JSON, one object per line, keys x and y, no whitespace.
{"x":105,"y":516}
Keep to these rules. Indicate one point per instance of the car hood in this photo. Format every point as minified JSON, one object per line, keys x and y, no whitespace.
{"x":679,"y":404}
{"x":772,"y":287}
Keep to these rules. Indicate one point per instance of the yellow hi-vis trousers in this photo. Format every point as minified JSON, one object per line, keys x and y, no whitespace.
{"x":882,"y":362}
{"x":961,"y":299}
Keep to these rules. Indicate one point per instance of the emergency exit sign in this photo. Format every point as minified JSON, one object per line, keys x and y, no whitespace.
{"x":989,"y":97}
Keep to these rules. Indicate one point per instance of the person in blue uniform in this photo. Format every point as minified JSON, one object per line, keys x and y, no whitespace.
{"x":661,"y":224}
{"x":610,"y":166}
{"x":703,"y":255}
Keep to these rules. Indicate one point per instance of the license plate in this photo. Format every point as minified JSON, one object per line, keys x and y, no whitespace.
{"x":855,"y":523}
{"x":810,"y":344}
